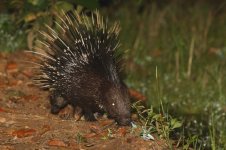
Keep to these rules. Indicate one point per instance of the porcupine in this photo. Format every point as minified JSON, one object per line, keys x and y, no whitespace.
{"x":82,"y":67}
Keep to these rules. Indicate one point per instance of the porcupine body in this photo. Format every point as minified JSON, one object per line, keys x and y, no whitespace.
{"x":82,"y":66}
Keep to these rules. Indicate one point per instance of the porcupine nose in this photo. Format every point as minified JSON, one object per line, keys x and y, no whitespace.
{"x":124,"y":121}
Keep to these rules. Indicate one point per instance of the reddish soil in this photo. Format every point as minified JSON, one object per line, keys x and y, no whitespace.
{"x":26,"y":122}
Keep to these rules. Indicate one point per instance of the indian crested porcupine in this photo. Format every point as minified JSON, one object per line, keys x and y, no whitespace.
{"x":82,"y":67}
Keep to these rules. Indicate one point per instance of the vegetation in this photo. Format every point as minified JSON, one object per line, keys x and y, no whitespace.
{"x":184,"y":40}
{"x":187,"y":45}
{"x":21,"y":19}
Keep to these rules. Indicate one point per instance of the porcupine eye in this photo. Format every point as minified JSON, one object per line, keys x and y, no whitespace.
{"x":113,"y":104}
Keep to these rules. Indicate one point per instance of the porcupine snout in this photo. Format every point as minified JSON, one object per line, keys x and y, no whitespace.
{"x":124,"y":120}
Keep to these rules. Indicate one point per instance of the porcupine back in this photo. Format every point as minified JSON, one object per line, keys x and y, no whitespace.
{"x":82,"y":64}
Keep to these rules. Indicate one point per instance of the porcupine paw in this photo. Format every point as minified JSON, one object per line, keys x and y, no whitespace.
{"x":66,"y":113}
{"x":89,"y":116}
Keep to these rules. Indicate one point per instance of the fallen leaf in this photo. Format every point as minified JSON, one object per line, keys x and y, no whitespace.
{"x":106,"y":122}
{"x":137,"y":95}
{"x":23,"y":132}
{"x":56,"y":142}
{"x":12,"y":67}
{"x":30,"y":97}
{"x":2,"y":110}
{"x":44,"y":129}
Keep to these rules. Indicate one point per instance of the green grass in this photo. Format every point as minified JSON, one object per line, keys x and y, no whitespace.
{"x":187,"y":43}
{"x":11,"y":38}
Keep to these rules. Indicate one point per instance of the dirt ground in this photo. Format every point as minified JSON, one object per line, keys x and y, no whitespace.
{"x":26,"y":122}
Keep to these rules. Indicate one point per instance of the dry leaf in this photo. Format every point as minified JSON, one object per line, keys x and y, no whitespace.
{"x":12,"y":67}
{"x":106,"y":122}
{"x":30,"y":97}
{"x":56,"y":142}
{"x":23,"y":132}
{"x":2,"y":110}
{"x":137,"y":95}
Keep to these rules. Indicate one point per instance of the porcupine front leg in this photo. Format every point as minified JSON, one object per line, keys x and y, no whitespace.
{"x":89,"y":116}
{"x":82,"y":109}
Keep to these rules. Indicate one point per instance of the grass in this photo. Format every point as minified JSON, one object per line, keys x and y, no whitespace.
{"x":187,"y":43}
{"x":11,"y":37}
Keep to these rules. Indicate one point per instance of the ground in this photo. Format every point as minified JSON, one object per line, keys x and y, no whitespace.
{"x":26,"y":121}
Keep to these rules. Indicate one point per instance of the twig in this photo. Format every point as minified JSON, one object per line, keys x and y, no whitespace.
{"x":191,"y":50}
